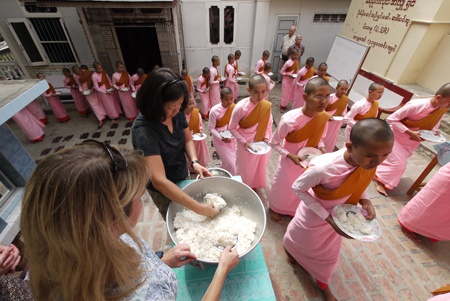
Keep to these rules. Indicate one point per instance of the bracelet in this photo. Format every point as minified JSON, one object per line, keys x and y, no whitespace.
{"x":193,"y":162}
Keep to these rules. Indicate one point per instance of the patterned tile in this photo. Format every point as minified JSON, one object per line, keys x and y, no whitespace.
{"x":114,"y":126}
{"x":129,"y":124}
{"x":84,"y":135}
{"x":111,"y":134}
{"x":46,"y":151}
{"x":123,"y":141}
{"x":126,"y":132}
{"x":57,"y":139}
{"x":96,"y":135}
{"x":59,"y":148}
{"x":67,"y":138}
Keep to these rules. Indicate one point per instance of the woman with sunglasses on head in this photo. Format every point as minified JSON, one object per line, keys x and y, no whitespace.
{"x":78,"y":211}
{"x":161,"y":132}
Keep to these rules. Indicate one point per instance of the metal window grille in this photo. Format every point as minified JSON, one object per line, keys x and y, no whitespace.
{"x":53,"y":39}
{"x":329,"y":18}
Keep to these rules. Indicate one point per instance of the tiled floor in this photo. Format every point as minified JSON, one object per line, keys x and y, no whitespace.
{"x":392,"y":268}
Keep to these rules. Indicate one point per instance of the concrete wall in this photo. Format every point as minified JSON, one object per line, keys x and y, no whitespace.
{"x":255,"y":23}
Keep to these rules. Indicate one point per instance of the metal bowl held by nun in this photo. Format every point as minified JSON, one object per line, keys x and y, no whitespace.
{"x":218,"y":172}
{"x":234,"y":193}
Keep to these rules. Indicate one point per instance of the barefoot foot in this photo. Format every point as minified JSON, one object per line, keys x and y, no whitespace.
{"x":290,"y":260}
{"x":276,"y":217}
{"x":328,"y":294}
{"x":412,"y":236}
{"x":113,"y":121}
{"x":381,"y":189}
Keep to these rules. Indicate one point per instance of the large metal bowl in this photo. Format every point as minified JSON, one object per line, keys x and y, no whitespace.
{"x":218,"y":172}
{"x":234,"y":193}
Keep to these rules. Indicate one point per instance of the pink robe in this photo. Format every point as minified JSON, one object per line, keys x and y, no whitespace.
{"x":299,"y":87}
{"x":309,"y":238}
{"x":270,"y":85}
{"x":391,"y":170}
{"x":214,"y":85}
{"x":80,"y":101}
{"x":359,"y":107}
{"x":282,"y":198}
{"x":57,"y":107}
{"x":252,"y":168}
{"x":258,"y":66}
{"x":109,"y":102}
{"x":287,"y":84}
{"x":35,"y":108}
{"x":334,"y":127}
{"x":236,"y":88}
{"x":204,"y":96}
{"x":29,"y":124}
{"x":428,"y":212}
{"x":226,"y":151}
{"x":134,"y":78}
{"x":128,"y":101}
{"x":231,"y":81}
{"x":92,"y":99}
{"x":200,"y":146}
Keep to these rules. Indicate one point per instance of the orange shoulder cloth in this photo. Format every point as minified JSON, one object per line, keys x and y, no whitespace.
{"x":339,"y":105}
{"x":428,"y":122}
{"x":293,"y":67}
{"x":50,"y":89}
{"x":312,"y":131}
{"x":124,"y":79}
{"x":308,"y":74}
{"x":261,"y":116}
{"x":140,"y":80}
{"x":71,"y":81}
{"x":104,"y":81}
{"x":189,"y":83}
{"x":226,"y":117}
{"x":354,"y":186}
{"x":194,"y":121}
{"x":373,"y":111}
{"x":86,"y":77}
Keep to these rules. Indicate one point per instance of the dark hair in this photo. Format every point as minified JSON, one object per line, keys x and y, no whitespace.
{"x":224,"y":92}
{"x":267,"y":66}
{"x":256,"y":80}
{"x":444,"y":91}
{"x":84,"y":67}
{"x":230,"y":56}
{"x":161,"y":86}
{"x":206,"y":70}
{"x":341,"y":82}
{"x":370,"y":129}
{"x":66,"y":70}
{"x":314,"y":83}
{"x":266,"y":53}
{"x":374,"y":86}
{"x":214,"y":58}
{"x":74,"y":68}
{"x":237,"y":52}
{"x":37,"y":74}
{"x":118,"y":63}
{"x":95,"y":64}
{"x":310,"y":60}
{"x":323,"y":65}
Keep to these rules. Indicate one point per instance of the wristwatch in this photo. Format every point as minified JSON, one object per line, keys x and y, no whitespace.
{"x":160,"y":254}
{"x":193,"y":162}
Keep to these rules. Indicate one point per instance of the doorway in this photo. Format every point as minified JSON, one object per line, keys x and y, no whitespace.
{"x":140,"y":48}
{"x":282,"y":28}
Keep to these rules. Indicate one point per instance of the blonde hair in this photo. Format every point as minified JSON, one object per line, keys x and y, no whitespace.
{"x":73,"y":213}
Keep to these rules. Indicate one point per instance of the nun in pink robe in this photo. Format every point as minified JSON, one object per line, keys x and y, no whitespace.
{"x":360,"y":107}
{"x":214,"y":91}
{"x":270,"y":85}
{"x":203,"y":88}
{"x":252,"y":168}
{"x":109,"y":101}
{"x":282,"y":198}
{"x":230,"y":81}
{"x":201,"y":146}
{"x":56,"y":105}
{"x":334,"y":127}
{"x":226,"y":150}
{"x":35,"y":108}
{"x":391,"y":170}
{"x":92,"y":98}
{"x":287,"y":84}
{"x":299,"y":88}
{"x":320,"y":255}
{"x":80,"y":101}
{"x":127,"y":100}
{"x":428,"y":212}
{"x":30,"y":125}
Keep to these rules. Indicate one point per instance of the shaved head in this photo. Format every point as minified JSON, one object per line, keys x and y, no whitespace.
{"x":370,"y":130}
{"x":375,"y":86}
{"x":256,"y":80}
{"x":342,"y":82}
{"x":444,"y":91}
{"x":313,"y":84}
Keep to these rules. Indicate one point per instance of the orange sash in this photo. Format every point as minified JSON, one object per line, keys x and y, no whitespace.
{"x":205,"y":82}
{"x":355,"y":185}
{"x":104,"y":81}
{"x":194,"y":121}
{"x":326,"y":78}
{"x":339,"y":105}
{"x":218,"y":75}
{"x":369,"y":114}
{"x":261,"y":69}
{"x":294,"y":67}
{"x":236,"y":67}
{"x":226,"y":117}
{"x":140,"y":80}
{"x":124,"y":79}
{"x":71,"y":81}
{"x":50,"y":89}
{"x":86,"y":76}
{"x":308,"y":74}
{"x":312,"y":131}
{"x":428,"y":122}
{"x":189,"y":83}
{"x":442,"y":290}
{"x":260,"y":115}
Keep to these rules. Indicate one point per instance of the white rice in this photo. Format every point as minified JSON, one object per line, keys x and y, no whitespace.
{"x":353,"y":222}
{"x":202,"y":233}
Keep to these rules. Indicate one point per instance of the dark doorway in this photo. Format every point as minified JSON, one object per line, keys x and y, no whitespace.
{"x":140,"y":48}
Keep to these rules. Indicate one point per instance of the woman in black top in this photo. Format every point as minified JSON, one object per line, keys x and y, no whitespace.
{"x":161,"y":132}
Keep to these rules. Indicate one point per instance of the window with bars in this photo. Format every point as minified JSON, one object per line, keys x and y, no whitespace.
{"x":329,"y":18}
{"x":221,"y":32}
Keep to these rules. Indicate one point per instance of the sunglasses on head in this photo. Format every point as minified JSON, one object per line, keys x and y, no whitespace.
{"x":119,"y":162}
